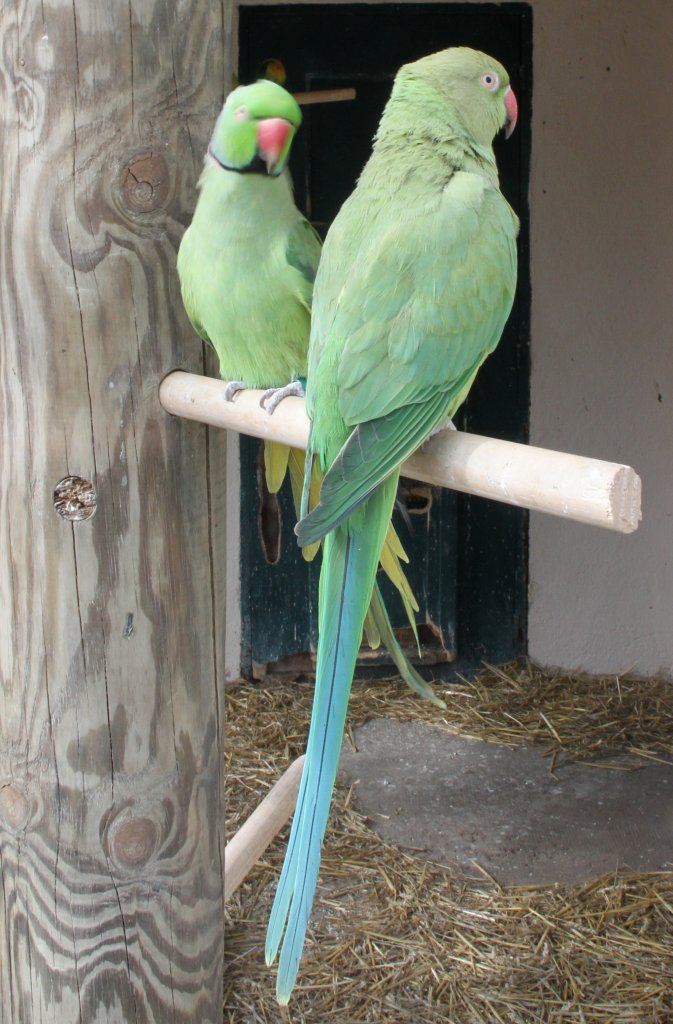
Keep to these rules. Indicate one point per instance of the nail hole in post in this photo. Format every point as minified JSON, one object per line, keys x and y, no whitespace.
{"x":75,"y":498}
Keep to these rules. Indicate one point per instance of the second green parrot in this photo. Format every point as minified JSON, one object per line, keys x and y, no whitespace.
{"x":247,"y":264}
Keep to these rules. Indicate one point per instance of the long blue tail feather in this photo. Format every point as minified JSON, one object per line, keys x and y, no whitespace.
{"x":350,"y":561}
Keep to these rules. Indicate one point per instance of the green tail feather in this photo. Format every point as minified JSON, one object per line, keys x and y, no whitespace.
{"x":377,"y":624}
{"x":411,"y":677}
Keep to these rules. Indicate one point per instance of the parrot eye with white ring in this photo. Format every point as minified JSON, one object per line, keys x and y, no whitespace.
{"x":490,"y":81}
{"x":241,"y":114}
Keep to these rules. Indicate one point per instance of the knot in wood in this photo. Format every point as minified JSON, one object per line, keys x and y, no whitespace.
{"x":135,"y":842}
{"x":15,"y":806}
{"x":75,"y":498}
{"x":144,"y":183}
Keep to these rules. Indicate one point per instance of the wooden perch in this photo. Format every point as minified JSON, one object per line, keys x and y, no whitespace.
{"x":305,"y":99}
{"x":586,"y":490}
{"x":245,"y":848}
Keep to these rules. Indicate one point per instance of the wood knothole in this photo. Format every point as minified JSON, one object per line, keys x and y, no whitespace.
{"x":133,"y":839}
{"x":135,"y":842}
{"x":75,"y":498}
{"x":144,"y":183}
{"x":16,"y":806}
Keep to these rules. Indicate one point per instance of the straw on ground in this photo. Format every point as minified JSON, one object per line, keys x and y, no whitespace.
{"x":397,"y":939}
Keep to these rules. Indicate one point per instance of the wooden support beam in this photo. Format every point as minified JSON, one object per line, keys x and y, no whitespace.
{"x":245,"y":848}
{"x":111,"y":728}
{"x":591,"y":491}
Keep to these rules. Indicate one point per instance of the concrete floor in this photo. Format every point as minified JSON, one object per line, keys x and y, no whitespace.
{"x":463,"y":801}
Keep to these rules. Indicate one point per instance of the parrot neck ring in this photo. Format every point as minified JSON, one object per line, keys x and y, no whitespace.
{"x":256,"y":165}
{"x":273,"y":138}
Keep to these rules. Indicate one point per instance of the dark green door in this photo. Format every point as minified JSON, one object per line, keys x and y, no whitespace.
{"x":468,"y":555}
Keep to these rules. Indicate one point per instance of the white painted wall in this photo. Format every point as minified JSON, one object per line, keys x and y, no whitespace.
{"x":602,"y":330}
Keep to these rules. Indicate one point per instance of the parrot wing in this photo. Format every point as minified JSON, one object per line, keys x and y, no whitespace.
{"x":303,"y":254}
{"x":189,"y":260}
{"x":425,"y":304}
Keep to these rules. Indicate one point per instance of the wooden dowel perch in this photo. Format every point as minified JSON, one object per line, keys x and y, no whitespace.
{"x":245,"y":848}
{"x":586,"y":490}
{"x":305,"y":99}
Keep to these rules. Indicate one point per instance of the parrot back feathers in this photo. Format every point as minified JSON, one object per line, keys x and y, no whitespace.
{"x":373,"y":451}
{"x":445,"y":285}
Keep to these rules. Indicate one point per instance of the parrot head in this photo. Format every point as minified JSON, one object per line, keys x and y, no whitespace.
{"x":273,"y":69}
{"x":254,"y":131}
{"x":472,"y":86}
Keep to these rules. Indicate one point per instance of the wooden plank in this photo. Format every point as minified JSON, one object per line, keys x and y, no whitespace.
{"x":110,"y":731}
{"x":591,"y":491}
{"x":306,"y":99}
{"x":246,"y":847}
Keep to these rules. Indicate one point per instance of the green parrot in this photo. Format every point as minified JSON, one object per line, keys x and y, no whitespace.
{"x":246,"y":264}
{"x":415,"y":285}
{"x":273,"y":69}
{"x":248,"y":259}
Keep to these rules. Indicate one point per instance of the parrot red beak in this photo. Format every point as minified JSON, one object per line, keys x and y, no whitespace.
{"x":272,"y":136}
{"x":512,"y":108}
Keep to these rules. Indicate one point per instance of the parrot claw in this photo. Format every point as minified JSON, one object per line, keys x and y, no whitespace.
{"x":272,"y":398}
{"x":232,"y":389}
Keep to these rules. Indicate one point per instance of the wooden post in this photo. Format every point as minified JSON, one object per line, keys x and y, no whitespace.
{"x":585,"y":490}
{"x":111,"y":900}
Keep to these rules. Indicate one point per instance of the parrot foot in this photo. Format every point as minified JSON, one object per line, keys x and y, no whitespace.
{"x":232,"y":389}
{"x":272,"y":398}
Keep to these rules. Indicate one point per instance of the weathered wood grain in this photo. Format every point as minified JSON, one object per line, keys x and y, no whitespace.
{"x":110,"y":627}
